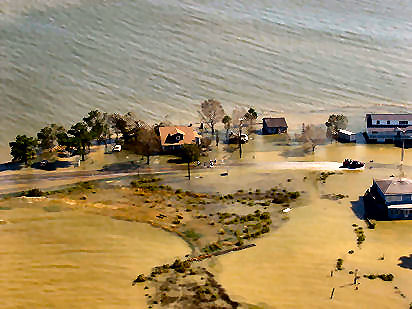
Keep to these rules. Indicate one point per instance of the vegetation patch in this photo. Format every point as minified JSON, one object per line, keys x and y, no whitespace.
{"x":360,"y":235}
{"x":35,"y":192}
{"x":333,"y":196}
{"x":339,"y":264}
{"x":384,"y":277}
{"x":192,"y":234}
{"x":324,"y":175}
{"x":52,"y":208}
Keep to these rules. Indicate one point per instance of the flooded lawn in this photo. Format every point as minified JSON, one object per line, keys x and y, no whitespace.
{"x":66,"y":259}
{"x":290,"y":268}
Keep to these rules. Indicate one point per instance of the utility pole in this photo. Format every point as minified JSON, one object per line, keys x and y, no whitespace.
{"x":402,"y":153}
{"x":240,"y":137}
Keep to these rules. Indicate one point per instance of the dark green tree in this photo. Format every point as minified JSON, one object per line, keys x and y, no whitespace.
{"x":250,"y":117}
{"x":334,"y":124}
{"x":97,"y":123}
{"x":47,"y":136}
{"x":189,"y":153}
{"x":77,"y":138}
{"x":227,"y":121}
{"x":23,"y":149}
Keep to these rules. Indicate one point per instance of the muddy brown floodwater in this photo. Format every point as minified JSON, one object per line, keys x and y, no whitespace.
{"x":69,"y":259}
{"x":290,"y":268}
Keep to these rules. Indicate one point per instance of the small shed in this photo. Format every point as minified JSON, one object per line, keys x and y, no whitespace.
{"x":346,"y":136}
{"x":274,"y":125}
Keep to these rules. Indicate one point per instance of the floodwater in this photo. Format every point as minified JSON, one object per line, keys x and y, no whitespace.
{"x":68,"y":259}
{"x":290,"y":268}
{"x":160,"y":59}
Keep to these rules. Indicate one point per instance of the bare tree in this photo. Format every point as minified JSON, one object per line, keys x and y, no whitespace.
{"x":313,"y":136}
{"x":211,"y":113}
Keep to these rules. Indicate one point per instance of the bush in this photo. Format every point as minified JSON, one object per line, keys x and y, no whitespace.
{"x":34,"y":193}
{"x":140,"y":278}
{"x":339,"y":264}
{"x":180,"y":266}
{"x":384,"y":277}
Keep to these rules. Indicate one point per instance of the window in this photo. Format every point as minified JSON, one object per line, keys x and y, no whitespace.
{"x":394,"y":198}
{"x":406,"y":197}
{"x":403,"y":121}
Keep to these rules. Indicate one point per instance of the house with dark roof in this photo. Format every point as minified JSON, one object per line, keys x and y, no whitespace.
{"x":173,"y":138}
{"x":274,"y":125}
{"x":389,"y":128}
{"x":391,"y":198}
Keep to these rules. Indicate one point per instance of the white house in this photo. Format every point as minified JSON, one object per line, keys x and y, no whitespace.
{"x":388,"y":128}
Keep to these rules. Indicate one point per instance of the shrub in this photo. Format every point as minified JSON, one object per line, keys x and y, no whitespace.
{"x":140,"y":278}
{"x":339,"y":264}
{"x":34,"y":193}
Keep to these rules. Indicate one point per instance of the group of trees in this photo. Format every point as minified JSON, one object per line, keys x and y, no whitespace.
{"x":314,"y":135}
{"x":136,"y":136}
{"x":212,"y":113}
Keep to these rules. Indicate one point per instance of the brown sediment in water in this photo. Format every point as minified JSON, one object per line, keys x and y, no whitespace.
{"x":290,"y":267}
{"x":200,"y":219}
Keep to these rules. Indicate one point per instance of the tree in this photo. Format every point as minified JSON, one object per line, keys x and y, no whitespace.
{"x":23,"y":149}
{"x":127,"y":125}
{"x":227,"y":121}
{"x":98,"y":124}
{"x":334,"y":124}
{"x":189,"y":153}
{"x":313,"y":136}
{"x":78,"y":138}
{"x":47,"y":136}
{"x":147,"y":143}
{"x":211,"y":113}
{"x":251,"y":117}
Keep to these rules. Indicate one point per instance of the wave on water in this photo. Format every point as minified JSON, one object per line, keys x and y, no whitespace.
{"x":160,"y":59}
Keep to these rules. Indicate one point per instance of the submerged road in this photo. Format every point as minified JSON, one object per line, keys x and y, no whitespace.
{"x":24,"y":180}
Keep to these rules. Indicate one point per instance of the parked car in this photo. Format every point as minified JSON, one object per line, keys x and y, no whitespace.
{"x":117,"y":148}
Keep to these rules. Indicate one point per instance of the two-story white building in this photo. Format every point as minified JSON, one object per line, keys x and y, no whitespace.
{"x":388,"y":128}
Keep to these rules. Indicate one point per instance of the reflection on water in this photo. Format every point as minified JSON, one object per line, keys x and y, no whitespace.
{"x":69,"y":259}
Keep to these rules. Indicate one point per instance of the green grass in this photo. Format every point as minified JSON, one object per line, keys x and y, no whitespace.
{"x":192,"y":234}
{"x":52,"y":208}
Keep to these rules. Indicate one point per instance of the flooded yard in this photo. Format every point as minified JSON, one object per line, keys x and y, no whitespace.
{"x":68,"y":259}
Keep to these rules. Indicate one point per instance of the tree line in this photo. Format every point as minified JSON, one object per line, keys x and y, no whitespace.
{"x":144,"y":139}
{"x":135,"y":135}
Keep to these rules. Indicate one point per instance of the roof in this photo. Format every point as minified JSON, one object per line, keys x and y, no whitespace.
{"x":390,"y":116}
{"x":395,"y":186}
{"x":189,"y":135}
{"x":275,"y":122}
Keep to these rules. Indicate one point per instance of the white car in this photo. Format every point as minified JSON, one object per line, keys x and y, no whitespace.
{"x":117,"y":148}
